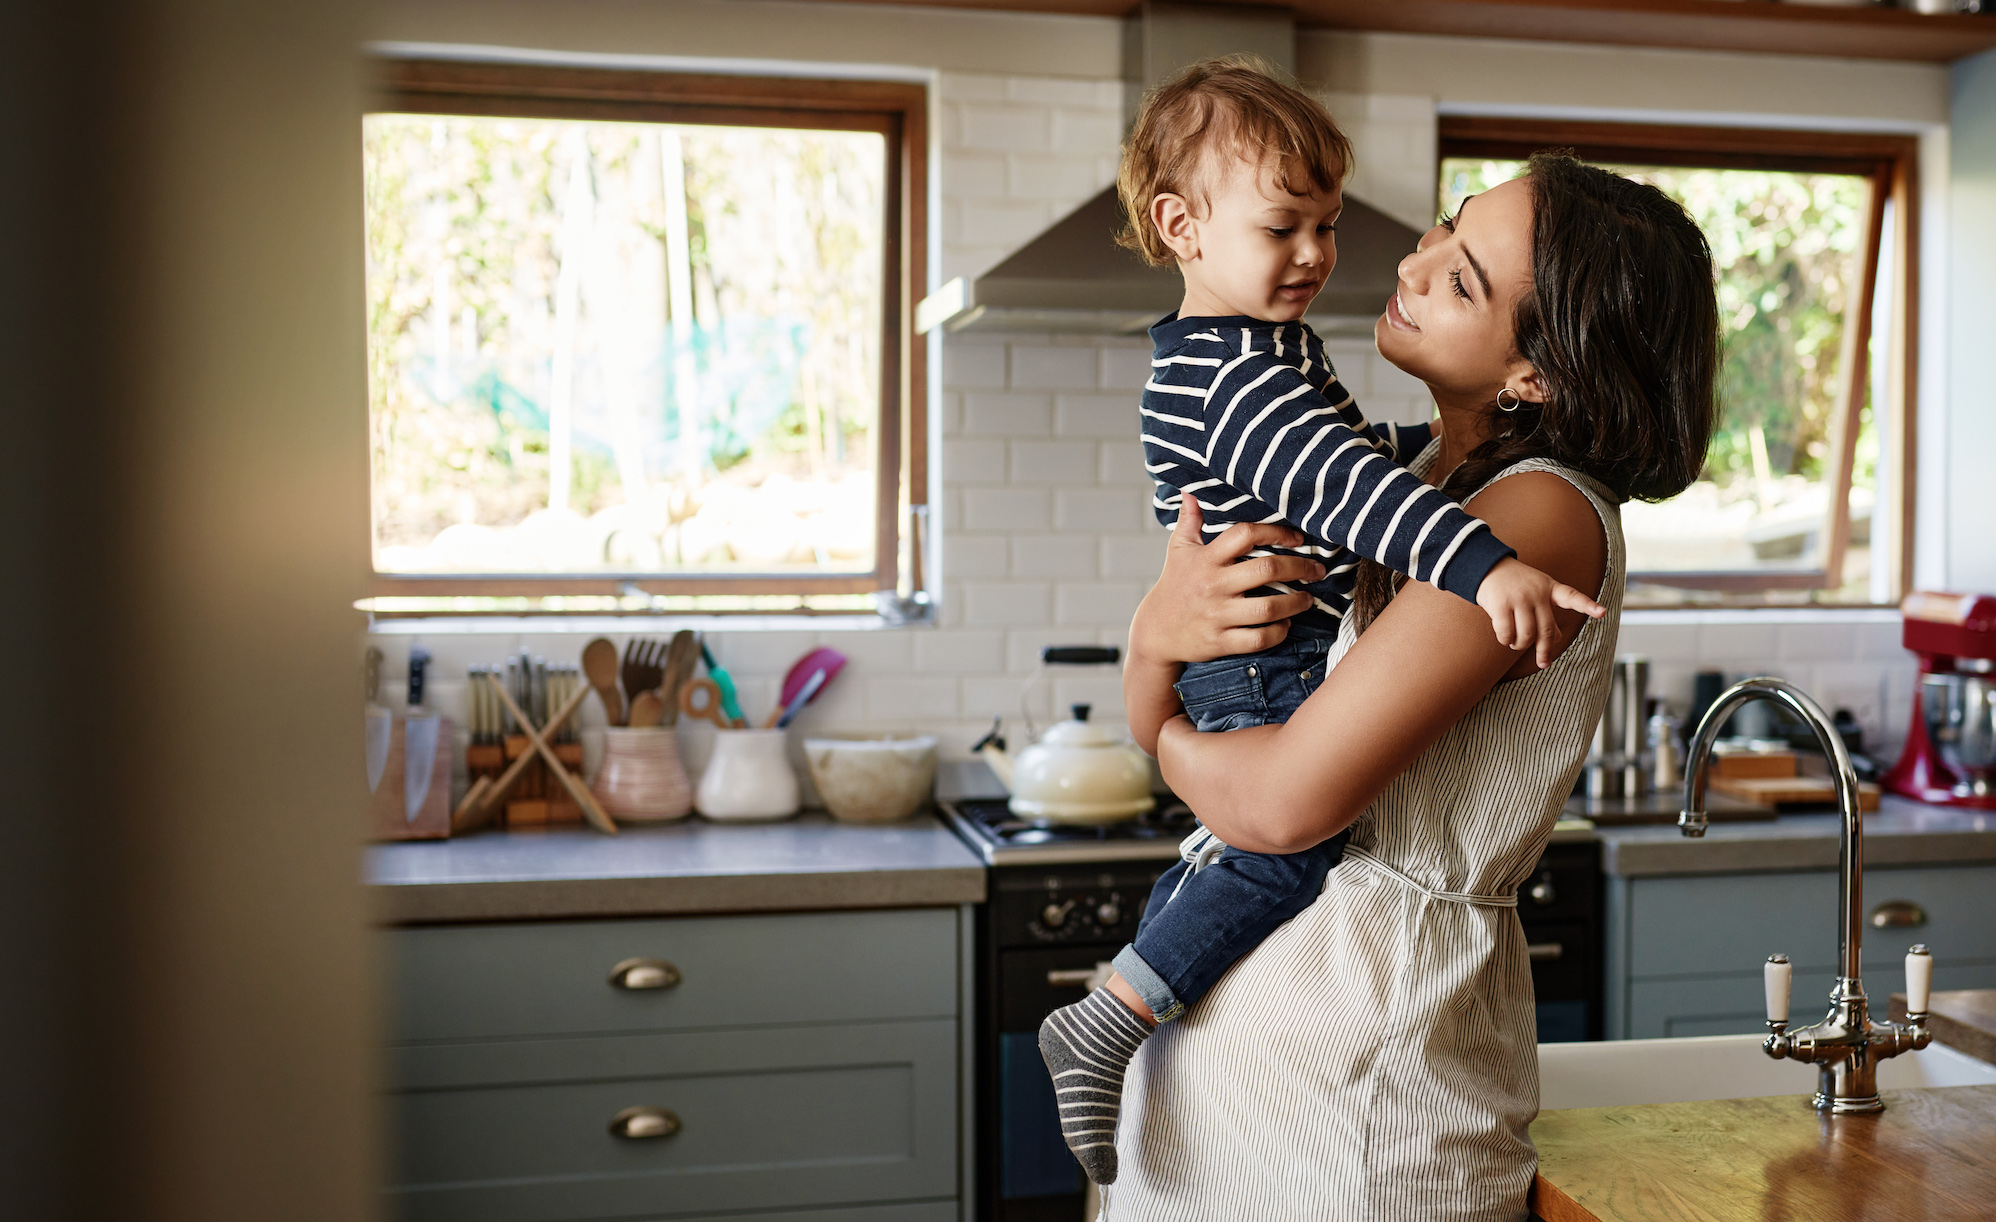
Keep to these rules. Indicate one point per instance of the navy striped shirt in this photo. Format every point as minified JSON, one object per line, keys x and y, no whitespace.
{"x":1249,"y":417}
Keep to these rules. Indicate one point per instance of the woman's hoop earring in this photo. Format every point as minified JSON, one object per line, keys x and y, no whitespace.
{"x":1517,"y":400}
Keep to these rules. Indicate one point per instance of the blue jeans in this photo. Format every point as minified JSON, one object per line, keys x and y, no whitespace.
{"x":1198,"y":923}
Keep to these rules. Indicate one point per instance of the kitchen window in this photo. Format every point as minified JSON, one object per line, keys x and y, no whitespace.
{"x":639,"y":341}
{"x":1806,"y":495}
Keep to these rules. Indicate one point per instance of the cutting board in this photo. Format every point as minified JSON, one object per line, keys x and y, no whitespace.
{"x":1925,"y":1158}
{"x":1789,"y":790}
{"x":1960,"y":1018}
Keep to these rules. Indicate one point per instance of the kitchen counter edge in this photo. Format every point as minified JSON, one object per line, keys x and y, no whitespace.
{"x":811,"y":863}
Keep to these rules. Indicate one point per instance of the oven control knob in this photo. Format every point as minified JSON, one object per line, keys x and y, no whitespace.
{"x":1108,"y":912}
{"x":1053,"y":916}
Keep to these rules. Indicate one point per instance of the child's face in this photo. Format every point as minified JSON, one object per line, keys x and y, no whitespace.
{"x":1257,"y":250}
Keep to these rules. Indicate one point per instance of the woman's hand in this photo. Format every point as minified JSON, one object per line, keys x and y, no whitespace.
{"x":1196,"y":613}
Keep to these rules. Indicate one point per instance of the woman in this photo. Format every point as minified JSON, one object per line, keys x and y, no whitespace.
{"x":1374,"y":1059}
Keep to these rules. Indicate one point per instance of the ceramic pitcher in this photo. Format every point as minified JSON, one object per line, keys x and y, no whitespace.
{"x":748,"y":777}
{"x":642,"y":779}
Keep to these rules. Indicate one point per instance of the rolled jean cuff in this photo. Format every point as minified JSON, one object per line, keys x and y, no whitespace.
{"x":1164,"y":1004}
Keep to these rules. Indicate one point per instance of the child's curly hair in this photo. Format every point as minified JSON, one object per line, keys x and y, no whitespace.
{"x":1231,"y":105}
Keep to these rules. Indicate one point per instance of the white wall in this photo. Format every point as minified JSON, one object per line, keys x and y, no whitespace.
{"x":1044,"y":534}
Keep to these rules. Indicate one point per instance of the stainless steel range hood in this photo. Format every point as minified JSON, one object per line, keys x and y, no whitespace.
{"x":1074,"y":278}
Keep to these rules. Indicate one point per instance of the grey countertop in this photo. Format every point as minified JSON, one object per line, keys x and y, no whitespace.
{"x":1900,"y":833}
{"x":807,"y":863}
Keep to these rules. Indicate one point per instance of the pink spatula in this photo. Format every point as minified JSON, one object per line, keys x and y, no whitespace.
{"x":821,"y":661}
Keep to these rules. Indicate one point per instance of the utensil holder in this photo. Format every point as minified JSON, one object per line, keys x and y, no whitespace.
{"x":748,"y":778}
{"x":642,"y":779}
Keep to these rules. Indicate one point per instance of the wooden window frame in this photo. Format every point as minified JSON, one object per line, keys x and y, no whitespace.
{"x":896,"y":110}
{"x":1891,"y":164}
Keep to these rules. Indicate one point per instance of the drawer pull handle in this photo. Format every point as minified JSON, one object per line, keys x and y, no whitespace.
{"x":1071,"y":978}
{"x":1542,"y":891}
{"x":644,"y":974}
{"x":1540,"y":952}
{"x":644,"y":1123}
{"x":1898,"y":914}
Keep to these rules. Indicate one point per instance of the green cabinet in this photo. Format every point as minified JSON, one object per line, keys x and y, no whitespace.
{"x":1684,"y":953}
{"x":801,"y":1066}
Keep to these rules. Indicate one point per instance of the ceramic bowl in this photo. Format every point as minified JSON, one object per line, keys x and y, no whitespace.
{"x":872,"y":780}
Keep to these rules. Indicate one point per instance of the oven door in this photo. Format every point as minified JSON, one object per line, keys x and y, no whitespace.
{"x":1036,"y":1176}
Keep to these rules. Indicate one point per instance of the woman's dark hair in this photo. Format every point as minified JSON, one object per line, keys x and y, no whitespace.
{"x":1622,"y":324}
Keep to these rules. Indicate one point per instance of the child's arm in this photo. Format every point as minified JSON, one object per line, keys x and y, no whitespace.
{"x":1272,"y":435}
{"x":1404,"y":441}
{"x":1240,"y":624}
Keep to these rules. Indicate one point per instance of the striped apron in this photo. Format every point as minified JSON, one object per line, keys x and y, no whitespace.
{"x":1374,"y":1060}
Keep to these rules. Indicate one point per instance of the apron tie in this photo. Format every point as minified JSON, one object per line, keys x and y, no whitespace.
{"x":1353,"y":852}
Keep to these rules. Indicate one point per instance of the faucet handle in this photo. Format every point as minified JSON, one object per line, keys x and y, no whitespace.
{"x":1778,"y":975}
{"x":1919,"y":981}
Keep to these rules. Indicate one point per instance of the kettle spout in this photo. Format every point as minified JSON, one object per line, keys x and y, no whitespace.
{"x":992,"y":750}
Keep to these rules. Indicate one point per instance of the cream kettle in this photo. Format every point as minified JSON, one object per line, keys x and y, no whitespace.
{"x":1079,"y":772}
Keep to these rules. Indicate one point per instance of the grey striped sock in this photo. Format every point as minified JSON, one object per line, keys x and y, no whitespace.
{"x":1087,"y":1047}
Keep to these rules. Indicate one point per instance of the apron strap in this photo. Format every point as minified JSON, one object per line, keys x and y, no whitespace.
{"x":1354,"y":853}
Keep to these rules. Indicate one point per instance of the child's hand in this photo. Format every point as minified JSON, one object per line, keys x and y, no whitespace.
{"x":1520,"y":600}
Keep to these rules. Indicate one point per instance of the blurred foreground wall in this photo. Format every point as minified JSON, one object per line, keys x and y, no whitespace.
{"x":185,"y":1006}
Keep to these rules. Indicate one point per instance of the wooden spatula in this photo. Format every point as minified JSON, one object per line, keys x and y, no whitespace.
{"x":599,"y":663}
{"x":647,"y":710}
{"x":680,"y":659}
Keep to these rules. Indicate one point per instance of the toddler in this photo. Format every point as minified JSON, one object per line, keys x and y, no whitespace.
{"x":1236,"y":177}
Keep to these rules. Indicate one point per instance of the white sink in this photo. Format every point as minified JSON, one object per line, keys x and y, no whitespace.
{"x":1622,"y":1073}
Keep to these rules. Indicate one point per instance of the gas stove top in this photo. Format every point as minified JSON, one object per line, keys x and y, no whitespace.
{"x":1003,"y":839}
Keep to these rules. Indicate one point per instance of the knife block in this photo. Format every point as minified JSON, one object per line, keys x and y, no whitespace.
{"x":389,"y":814}
{"x":537,"y":799}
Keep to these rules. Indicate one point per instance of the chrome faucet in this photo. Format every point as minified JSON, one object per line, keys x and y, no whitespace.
{"x":1846,"y":1046}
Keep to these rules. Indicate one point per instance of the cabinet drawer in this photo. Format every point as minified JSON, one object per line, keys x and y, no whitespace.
{"x":1736,"y":1005}
{"x":1732,"y":922}
{"x":769,"y":1119}
{"x":553,"y":978}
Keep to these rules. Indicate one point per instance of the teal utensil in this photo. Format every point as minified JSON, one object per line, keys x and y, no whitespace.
{"x":731,"y":705}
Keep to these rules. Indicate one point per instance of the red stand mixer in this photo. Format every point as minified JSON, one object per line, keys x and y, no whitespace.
{"x":1950,"y":756}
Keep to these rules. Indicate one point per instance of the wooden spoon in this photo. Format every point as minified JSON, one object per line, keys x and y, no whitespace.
{"x":599,"y":663}
{"x":647,"y":710}
{"x":679,"y":663}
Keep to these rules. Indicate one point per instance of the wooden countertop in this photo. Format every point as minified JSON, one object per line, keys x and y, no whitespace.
{"x":1927,"y":1156}
{"x":1963,"y":1019}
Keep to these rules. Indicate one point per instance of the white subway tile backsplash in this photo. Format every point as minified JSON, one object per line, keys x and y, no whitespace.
{"x":1077,"y":602}
{"x":970,"y":174}
{"x":1824,"y":642}
{"x":988,"y":696}
{"x":1126,"y":369}
{"x":1010,"y":222}
{"x":1137,"y":557}
{"x":875,"y":653}
{"x":761,"y":652}
{"x":967,"y":363}
{"x":1123,"y":463}
{"x":1043,"y":367}
{"x":1023,"y":645}
{"x":959,"y":652}
{"x":1661,"y":642}
{"x":958,"y":87}
{"x":1064,"y":556}
{"x":1064,"y":180}
{"x":1006,"y":413}
{"x":1054,"y":462}
{"x":973,"y":461}
{"x":906,"y":698}
{"x":1736,"y":645}
{"x":1006,"y":509}
{"x":1101,"y":509}
{"x":975,"y":556}
{"x":1007,"y":129}
{"x":990,"y":604}
{"x":1064,"y":91}
{"x":1096,"y":415}
{"x":1087,"y":133}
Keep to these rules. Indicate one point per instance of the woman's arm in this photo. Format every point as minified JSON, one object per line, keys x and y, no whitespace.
{"x":1424,"y":662}
{"x":1215,"y":622}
